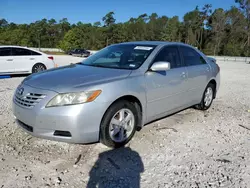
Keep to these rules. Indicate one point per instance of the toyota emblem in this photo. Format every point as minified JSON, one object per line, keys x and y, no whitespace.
{"x":20,"y":91}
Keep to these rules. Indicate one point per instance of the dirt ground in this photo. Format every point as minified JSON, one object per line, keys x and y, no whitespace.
{"x":189,"y":149}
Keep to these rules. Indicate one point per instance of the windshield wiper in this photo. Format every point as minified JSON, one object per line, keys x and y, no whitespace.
{"x":99,"y":65}
{"x":103,"y":66}
{"x":92,"y":65}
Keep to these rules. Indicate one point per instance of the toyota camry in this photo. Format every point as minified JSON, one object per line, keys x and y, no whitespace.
{"x":114,"y":92}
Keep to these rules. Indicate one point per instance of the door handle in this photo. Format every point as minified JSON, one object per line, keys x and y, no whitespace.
{"x":9,"y":59}
{"x":183,"y":75}
{"x":32,"y":58}
{"x":208,"y":69}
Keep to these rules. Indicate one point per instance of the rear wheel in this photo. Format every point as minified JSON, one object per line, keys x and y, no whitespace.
{"x":207,"y":98}
{"x":119,"y":124}
{"x":38,"y":68}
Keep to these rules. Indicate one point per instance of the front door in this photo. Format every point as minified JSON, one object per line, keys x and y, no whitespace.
{"x":166,"y":89}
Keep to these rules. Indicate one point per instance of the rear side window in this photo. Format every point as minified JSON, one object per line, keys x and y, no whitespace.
{"x":5,"y":51}
{"x":169,"y":54}
{"x":35,"y":53}
{"x":191,"y":57}
{"x":21,"y":52}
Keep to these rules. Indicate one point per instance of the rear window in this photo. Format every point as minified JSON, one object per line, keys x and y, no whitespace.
{"x":35,"y":53}
{"x":20,"y":52}
{"x":191,"y":57}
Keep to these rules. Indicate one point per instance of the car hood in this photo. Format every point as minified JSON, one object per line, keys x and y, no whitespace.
{"x":73,"y":77}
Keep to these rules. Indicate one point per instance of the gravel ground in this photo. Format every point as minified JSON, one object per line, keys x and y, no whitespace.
{"x":189,"y":149}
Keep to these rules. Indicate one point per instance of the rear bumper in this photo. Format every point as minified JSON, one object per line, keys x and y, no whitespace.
{"x":217,"y":84}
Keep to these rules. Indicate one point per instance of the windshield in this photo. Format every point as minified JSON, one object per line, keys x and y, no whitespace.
{"x":122,"y":56}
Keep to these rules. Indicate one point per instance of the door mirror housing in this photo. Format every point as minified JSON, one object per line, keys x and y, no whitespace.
{"x":160,"y":66}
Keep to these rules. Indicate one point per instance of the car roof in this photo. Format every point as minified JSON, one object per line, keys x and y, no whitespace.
{"x":161,"y":44}
{"x":157,"y":43}
{"x":6,"y":46}
{"x":24,"y":47}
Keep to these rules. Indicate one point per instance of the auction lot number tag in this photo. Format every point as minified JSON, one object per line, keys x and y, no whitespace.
{"x":143,"y":48}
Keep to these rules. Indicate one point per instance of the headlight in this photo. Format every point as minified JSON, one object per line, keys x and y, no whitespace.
{"x":73,"y":98}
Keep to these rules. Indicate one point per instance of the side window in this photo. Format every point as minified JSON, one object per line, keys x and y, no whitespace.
{"x":20,"y":52}
{"x":5,"y":51}
{"x":35,"y":53}
{"x":191,"y":57}
{"x":169,"y":54}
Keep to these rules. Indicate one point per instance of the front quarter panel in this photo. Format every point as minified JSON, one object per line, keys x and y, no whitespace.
{"x":134,"y":85}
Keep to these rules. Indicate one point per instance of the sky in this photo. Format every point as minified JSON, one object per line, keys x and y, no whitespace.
{"x":90,"y":11}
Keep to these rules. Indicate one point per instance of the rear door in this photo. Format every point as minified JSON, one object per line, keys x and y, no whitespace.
{"x":6,"y":61}
{"x":198,"y":73}
{"x":23,"y":59}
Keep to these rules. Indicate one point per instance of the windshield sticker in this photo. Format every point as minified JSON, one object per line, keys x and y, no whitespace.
{"x":143,"y":48}
{"x":131,"y":65}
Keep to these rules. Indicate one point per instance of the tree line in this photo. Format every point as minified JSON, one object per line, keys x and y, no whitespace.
{"x":215,"y":32}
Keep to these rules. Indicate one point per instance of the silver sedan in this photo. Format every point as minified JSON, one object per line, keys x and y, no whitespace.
{"x":115,"y":92}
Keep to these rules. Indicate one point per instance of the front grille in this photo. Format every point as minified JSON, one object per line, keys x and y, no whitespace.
{"x":29,"y":100}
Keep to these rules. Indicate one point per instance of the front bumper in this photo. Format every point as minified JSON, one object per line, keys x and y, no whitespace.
{"x":72,"y":124}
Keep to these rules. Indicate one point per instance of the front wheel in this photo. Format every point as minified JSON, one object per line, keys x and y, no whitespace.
{"x":119,"y":124}
{"x":207,"y":98}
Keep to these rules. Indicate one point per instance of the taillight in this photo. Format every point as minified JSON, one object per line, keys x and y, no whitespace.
{"x":51,"y":57}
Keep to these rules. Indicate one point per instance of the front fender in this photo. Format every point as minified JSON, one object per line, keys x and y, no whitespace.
{"x":130,"y":86}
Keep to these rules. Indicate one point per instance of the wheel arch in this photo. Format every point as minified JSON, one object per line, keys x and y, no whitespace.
{"x":133,"y":99}
{"x":213,"y":81}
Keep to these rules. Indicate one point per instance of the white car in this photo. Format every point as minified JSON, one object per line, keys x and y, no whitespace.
{"x":22,"y":60}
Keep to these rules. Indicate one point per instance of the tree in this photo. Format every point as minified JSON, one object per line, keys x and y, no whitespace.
{"x":217,"y":23}
{"x":236,"y":33}
{"x":97,"y":24}
{"x":205,"y":15}
{"x":3,"y":23}
{"x":191,"y":23}
{"x":171,"y":30}
{"x":109,"y":19}
{"x":218,"y":32}
{"x":245,"y":7}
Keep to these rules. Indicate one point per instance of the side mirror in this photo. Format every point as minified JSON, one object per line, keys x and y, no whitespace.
{"x":160,"y":66}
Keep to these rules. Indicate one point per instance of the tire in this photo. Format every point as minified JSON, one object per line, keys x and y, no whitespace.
{"x":39,"y":67}
{"x":106,"y":136}
{"x":205,"y":103}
